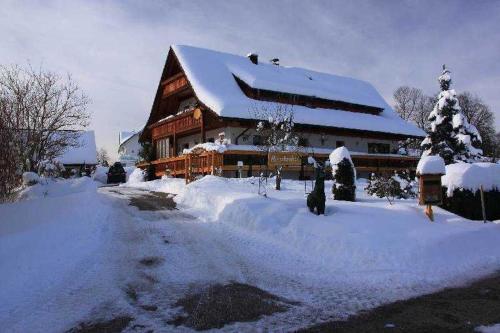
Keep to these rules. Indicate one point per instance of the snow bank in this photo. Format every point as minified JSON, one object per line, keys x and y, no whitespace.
{"x":431,"y":165}
{"x":101,"y":174}
{"x":30,"y":178}
{"x":489,"y":329}
{"x":47,"y":247}
{"x":136,"y":176}
{"x":167,"y":185}
{"x":58,"y":187}
{"x":471,"y":176}
{"x":369,"y":242}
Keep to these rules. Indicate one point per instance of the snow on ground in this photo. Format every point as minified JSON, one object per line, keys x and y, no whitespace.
{"x":489,"y":329}
{"x":53,"y":256}
{"x":69,"y":253}
{"x":368,"y":242}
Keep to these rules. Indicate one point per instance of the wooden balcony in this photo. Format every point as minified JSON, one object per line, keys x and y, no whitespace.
{"x":182,"y":123}
{"x":191,"y":165}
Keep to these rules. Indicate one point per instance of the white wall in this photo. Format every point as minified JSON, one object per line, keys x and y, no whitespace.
{"x":354,"y":144}
{"x":129,"y":150}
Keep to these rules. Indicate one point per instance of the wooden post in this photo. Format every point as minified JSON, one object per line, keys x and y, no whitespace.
{"x":203,"y":135}
{"x":482,"y":203}
{"x":429,"y":212}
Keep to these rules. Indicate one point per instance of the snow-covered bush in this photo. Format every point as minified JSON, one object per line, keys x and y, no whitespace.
{"x":397,"y":186}
{"x":51,"y":169}
{"x":30,"y":178}
{"x":461,"y":190}
{"x":344,"y":175}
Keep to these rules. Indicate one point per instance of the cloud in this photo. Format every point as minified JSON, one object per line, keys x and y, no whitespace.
{"x":116,"y":50}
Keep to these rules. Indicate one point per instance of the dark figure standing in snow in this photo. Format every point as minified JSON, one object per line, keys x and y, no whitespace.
{"x":316,"y":199}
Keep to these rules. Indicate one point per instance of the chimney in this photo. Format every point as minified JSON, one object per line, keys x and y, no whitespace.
{"x":254,"y":58}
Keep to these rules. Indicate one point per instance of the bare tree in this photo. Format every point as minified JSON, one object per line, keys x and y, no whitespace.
{"x":479,"y":114}
{"x":44,"y":110}
{"x":413,"y":105}
{"x":276,"y":126}
{"x":102,"y":157}
{"x":9,"y":163}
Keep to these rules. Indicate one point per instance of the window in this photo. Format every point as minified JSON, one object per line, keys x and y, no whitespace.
{"x":303,"y":142}
{"x":379,"y":148}
{"x":339,"y":144}
{"x":257,"y":140}
{"x":162,"y":148}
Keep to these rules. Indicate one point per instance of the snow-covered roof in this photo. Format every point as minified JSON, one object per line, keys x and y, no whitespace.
{"x":86,"y":152}
{"x":211,"y":74}
{"x":125,"y":135}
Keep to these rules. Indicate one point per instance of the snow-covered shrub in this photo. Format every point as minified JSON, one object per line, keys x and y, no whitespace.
{"x":137,"y":176}
{"x":344,"y":187}
{"x":344,"y":175}
{"x":396,"y":186}
{"x":407,"y":185}
{"x":51,"y":169}
{"x":30,"y":178}
{"x":461,"y":190}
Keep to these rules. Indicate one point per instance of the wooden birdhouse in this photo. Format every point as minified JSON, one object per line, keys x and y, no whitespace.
{"x":430,"y":190}
{"x":429,"y":170}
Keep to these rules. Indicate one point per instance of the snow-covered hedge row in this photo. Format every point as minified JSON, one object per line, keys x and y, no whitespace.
{"x":461,"y":186}
{"x":471,"y":177}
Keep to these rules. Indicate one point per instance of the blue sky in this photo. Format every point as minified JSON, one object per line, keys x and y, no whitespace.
{"x":116,"y":49}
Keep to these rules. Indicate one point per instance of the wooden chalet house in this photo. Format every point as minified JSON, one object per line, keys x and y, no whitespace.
{"x":204,"y":92}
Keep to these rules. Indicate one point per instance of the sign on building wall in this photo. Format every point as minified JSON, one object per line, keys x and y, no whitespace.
{"x":275,"y":159}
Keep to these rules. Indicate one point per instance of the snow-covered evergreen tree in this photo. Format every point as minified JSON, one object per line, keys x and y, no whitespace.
{"x":451,"y":136}
{"x":344,"y":175}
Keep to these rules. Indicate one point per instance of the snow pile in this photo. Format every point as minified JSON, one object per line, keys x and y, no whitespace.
{"x":49,"y":248}
{"x":128,"y":171}
{"x":431,"y":165}
{"x":367,"y":242}
{"x":58,"y":187}
{"x":136,"y":176}
{"x":101,"y":174}
{"x":207,"y":146}
{"x":488,"y":329}
{"x":30,"y":178}
{"x":167,"y":185}
{"x":471,"y":176}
